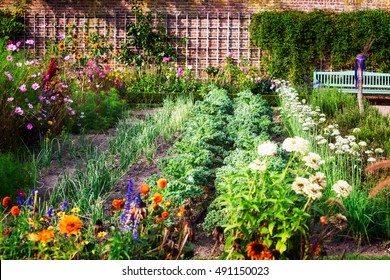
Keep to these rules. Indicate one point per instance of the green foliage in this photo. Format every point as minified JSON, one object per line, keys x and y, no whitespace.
{"x":151,"y":42}
{"x":252,"y":119}
{"x":190,"y":165}
{"x":97,"y":111}
{"x":11,"y":24}
{"x":296,"y":43}
{"x":238,"y":75}
{"x":14,"y":175}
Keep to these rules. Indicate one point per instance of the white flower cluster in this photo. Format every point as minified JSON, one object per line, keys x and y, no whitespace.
{"x":302,"y":112}
{"x":312,"y":187}
{"x":330,"y":136}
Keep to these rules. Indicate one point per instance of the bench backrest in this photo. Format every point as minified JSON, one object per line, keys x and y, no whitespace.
{"x":346,"y":80}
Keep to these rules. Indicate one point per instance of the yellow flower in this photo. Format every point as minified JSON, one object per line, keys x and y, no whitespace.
{"x":101,"y":234}
{"x":61,"y":214}
{"x":33,"y":237}
{"x":75,"y":210}
{"x":70,"y":224}
{"x":49,"y":122}
{"x":85,"y":242}
{"x":50,"y":228}
{"x":79,"y":56}
{"x":61,"y":46}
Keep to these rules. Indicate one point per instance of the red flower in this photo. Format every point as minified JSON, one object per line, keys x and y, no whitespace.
{"x":118,"y":203}
{"x":164,"y":215}
{"x":7,"y":201}
{"x":51,"y":72}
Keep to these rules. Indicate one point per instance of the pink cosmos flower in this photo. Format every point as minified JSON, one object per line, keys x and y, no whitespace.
{"x":35,"y":86}
{"x":9,"y":58}
{"x":11,"y":47}
{"x":23,"y":88}
{"x":30,"y":105}
{"x":18,"y":43}
{"x":29,"y":126}
{"x":19,"y":111}
{"x":10,"y":99}
{"x":10,"y":78}
{"x":19,"y":64}
{"x":166,"y":59}
{"x":66,"y":58}
{"x":30,"y":42}
{"x":62,"y":36}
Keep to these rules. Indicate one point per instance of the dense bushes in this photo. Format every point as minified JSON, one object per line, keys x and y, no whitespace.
{"x":296,"y":43}
{"x":11,"y":24}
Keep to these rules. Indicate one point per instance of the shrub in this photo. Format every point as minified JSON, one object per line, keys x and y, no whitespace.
{"x":14,"y":175}
{"x":11,"y":24}
{"x":97,"y":111}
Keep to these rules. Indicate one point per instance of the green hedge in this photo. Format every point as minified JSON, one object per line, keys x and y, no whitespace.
{"x":296,"y":43}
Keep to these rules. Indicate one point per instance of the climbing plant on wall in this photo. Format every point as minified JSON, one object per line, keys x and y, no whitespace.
{"x":295,"y":43}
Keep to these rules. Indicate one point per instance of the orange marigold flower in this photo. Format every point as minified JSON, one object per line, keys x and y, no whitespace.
{"x":118,"y":203}
{"x":161,"y":183}
{"x":155,"y":207}
{"x":70,"y":224}
{"x":255,"y":250}
{"x":144,"y":189}
{"x":158,"y":221}
{"x":164,"y":215}
{"x":182,"y":209}
{"x":15,"y":210}
{"x":323,"y":220}
{"x":157,"y":198}
{"x":7,"y":201}
{"x":45,"y":235}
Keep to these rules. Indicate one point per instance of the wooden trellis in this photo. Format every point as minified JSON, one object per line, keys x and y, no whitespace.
{"x":209,"y":37}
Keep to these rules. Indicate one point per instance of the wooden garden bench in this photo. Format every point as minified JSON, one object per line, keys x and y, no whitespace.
{"x":373,"y":83}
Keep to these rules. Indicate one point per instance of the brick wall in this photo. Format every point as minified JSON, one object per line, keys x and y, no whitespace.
{"x":171,"y":6}
{"x":212,"y":28}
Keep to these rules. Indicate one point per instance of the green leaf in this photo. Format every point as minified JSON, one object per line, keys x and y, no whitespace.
{"x":271,"y":228}
{"x":280,"y":246}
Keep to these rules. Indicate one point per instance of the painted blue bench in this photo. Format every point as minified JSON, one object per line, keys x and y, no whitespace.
{"x":373,"y":82}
